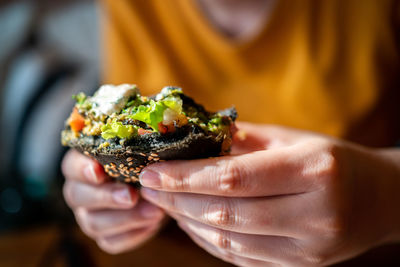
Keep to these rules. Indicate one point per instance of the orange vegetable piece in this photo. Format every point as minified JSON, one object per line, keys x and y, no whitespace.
{"x":77,"y":122}
{"x":142,"y":131}
{"x":163,"y":129}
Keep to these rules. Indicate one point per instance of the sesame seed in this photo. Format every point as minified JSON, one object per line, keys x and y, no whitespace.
{"x":131,"y":169}
{"x":142,"y":154}
{"x":129,"y":159}
{"x":150,"y":158}
{"x":121,"y":165}
{"x":130,"y":163}
{"x":153,"y":155}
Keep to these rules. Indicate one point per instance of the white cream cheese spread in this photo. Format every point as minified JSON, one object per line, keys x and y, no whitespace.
{"x":111,"y":99}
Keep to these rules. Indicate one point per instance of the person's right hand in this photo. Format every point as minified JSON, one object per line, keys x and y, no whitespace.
{"x":110,"y":213}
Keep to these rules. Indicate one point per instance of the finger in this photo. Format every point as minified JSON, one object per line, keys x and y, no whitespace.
{"x":104,"y":223}
{"x":277,"y":249}
{"x":269,"y":216}
{"x":223,"y":254}
{"x":109,"y":195}
{"x":289,"y":170}
{"x":127,"y":241}
{"x":78,"y":167}
{"x":291,"y":216}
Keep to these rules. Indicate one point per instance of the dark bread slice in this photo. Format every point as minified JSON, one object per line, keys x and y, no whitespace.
{"x":125,"y":161}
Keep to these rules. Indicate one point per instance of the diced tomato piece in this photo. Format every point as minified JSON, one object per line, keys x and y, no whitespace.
{"x":163,"y":129}
{"x":171,"y":128}
{"x":142,"y":131}
{"x":77,"y":122}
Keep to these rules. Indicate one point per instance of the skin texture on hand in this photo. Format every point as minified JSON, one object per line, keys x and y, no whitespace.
{"x":112,"y":214}
{"x":285,"y":197}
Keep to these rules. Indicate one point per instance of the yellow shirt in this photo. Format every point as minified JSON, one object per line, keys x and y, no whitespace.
{"x":326,"y":66}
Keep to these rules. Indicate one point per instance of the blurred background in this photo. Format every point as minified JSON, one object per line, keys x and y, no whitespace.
{"x":49,"y":50}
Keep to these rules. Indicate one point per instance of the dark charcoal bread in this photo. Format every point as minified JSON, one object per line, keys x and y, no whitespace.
{"x":124,"y":162}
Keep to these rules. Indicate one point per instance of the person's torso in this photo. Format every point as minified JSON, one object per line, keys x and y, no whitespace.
{"x":326,"y":66}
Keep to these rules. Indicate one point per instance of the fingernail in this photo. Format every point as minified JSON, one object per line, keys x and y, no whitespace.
{"x":90,"y":174}
{"x":150,"y":179}
{"x":150,"y":211}
{"x":149,"y":193}
{"x":122,"y":196}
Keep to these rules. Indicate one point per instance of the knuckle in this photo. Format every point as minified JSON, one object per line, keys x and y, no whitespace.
{"x":108,"y":247}
{"x":307,"y":257}
{"x":324,"y":160}
{"x":69,"y":193}
{"x":336,"y":228}
{"x":81,"y":216}
{"x":330,"y":162}
{"x":220,"y":214}
{"x":316,"y":259}
{"x":179,"y":183}
{"x":170,"y":201}
{"x":69,"y":163}
{"x":105,"y":195}
{"x":222,"y":239}
{"x":91,"y":226}
{"x":115,"y":195}
{"x":231,"y":178}
{"x":65,"y":164}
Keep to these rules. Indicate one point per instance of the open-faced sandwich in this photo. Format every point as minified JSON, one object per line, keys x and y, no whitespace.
{"x":125,"y":131}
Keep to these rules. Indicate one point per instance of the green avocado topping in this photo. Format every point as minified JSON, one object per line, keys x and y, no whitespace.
{"x":142,"y":112}
{"x":117,"y":129}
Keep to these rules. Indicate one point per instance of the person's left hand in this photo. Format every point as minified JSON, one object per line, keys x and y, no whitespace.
{"x":284,"y":197}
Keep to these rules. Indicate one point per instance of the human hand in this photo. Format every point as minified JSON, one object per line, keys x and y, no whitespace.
{"x":287,"y":197}
{"x":110,"y":213}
